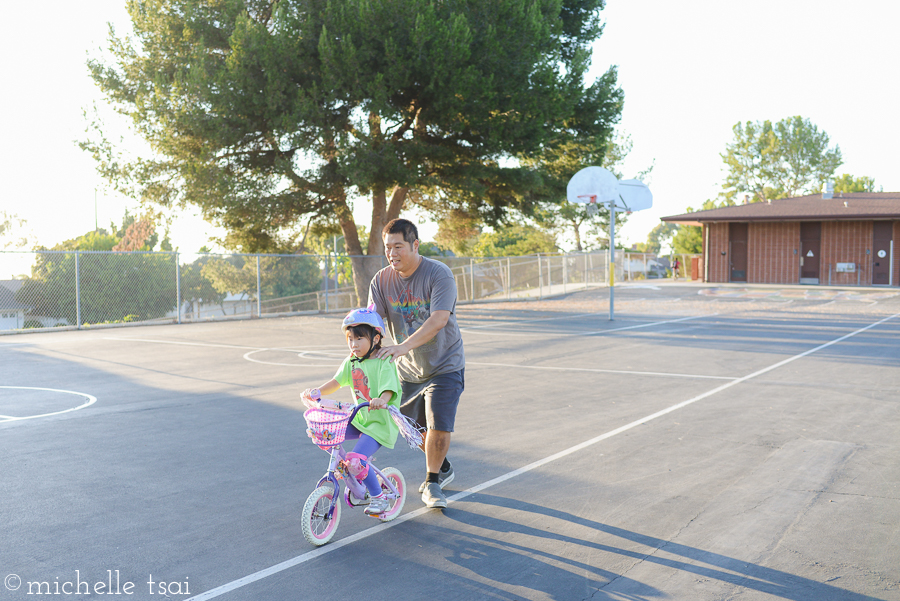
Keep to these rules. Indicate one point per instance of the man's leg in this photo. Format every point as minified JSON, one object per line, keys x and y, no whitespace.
{"x":436,"y":445}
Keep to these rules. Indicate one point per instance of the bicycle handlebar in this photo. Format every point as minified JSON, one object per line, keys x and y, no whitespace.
{"x":356,"y":410}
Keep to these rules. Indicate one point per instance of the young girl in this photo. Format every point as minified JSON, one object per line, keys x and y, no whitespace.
{"x":375,"y":381}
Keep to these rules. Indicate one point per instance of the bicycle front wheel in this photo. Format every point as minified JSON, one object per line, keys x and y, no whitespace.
{"x":318,"y":528}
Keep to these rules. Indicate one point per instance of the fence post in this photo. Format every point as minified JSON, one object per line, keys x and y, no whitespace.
{"x":258,"y":290}
{"x":472,"y":277}
{"x":586,"y":279}
{"x":327,"y":271}
{"x":540,"y":278}
{"x":77,"y":292}
{"x":178,"y":286}
{"x":565,"y":270}
{"x":550,"y":274}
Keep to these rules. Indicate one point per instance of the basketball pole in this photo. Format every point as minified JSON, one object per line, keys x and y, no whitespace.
{"x":612,"y":259}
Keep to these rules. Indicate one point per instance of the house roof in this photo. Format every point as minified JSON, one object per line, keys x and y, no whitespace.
{"x":843,"y":207}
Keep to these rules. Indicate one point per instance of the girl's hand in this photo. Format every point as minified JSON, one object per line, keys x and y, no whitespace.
{"x":310,"y":397}
{"x":377,"y":403}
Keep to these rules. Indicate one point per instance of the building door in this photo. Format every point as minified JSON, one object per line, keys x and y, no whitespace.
{"x":737,"y":238}
{"x":881,"y":252}
{"x":810,"y":247}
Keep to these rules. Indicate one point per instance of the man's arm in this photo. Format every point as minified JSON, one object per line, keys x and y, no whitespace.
{"x":434,"y":324}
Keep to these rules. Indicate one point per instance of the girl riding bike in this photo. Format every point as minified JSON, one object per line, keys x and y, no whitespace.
{"x":374,"y":381}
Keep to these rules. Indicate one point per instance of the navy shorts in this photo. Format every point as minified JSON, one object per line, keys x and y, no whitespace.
{"x":433,"y":403}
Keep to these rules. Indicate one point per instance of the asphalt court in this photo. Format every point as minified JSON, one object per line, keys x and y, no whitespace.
{"x":710,"y":443}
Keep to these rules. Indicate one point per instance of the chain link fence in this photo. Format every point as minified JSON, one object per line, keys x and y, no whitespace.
{"x":79,"y":289}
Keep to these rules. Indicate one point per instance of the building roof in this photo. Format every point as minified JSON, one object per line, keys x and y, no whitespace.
{"x":843,"y":207}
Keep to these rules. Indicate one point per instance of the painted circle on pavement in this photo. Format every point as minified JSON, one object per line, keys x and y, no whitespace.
{"x":45,"y":402}
{"x":318,"y":357}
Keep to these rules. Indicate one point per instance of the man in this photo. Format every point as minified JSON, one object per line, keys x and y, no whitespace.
{"x":416,"y":296}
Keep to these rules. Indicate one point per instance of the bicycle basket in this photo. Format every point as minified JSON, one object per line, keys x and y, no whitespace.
{"x":327,"y":427}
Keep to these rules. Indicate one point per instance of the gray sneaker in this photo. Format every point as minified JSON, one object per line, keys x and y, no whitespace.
{"x":444,"y":478}
{"x":378,"y":505}
{"x":433,"y":496}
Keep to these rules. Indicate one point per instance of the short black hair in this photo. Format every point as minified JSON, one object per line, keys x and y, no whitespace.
{"x":402,"y":226}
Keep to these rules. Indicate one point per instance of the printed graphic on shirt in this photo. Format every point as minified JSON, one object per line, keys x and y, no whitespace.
{"x":415,"y":312}
{"x":360,"y":384}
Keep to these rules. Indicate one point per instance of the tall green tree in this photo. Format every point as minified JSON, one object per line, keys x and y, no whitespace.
{"x":262,"y":113}
{"x":781,"y":160}
{"x":848,"y":183}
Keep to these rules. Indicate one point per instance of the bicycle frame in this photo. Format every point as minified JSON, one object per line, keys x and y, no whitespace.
{"x":356,"y":487}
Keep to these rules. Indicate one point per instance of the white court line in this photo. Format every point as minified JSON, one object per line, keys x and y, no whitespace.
{"x":514,"y":321}
{"x":642,"y":325}
{"x":185,"y":343}
{"x":602,"y":371}
{"x":226,"y":588}
{"x":326,"y":361}
{"x":209,"y":344}
{"x":91,"y":400}
{"x":645,"y":325}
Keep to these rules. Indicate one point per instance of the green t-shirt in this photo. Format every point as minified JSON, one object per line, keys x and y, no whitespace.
{"x":370,"y":379}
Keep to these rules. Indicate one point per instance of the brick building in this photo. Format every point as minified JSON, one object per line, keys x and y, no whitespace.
{"x":850,"y":239}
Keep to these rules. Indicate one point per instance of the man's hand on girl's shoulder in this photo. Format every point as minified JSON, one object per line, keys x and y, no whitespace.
{"x":391,"y":352}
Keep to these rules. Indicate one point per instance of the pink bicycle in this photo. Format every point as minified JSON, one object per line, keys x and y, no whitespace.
{"x":322,"y":511}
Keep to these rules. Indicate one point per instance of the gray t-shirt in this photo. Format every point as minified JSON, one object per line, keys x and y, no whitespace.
{"x":405,"y":304}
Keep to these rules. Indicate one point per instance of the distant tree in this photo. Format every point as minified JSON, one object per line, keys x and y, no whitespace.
{"x":137,"y":235}
{"x":848,"y":183}
{"x":688,"y":239}
{"x":14,"y":232}
{"x":660,"y":235}
{"x":113,"y":287}
{"x":431,"y":249}
{"x":782,"y":160}
{"x":514,"y":241}
{"x":279,"y":277}
{"x":197,"y":290}
{"x":458,"y":232}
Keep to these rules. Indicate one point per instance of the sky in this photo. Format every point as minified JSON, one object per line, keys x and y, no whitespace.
{"x":690,"y":71}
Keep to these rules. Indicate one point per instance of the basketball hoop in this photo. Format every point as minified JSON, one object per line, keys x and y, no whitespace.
{"x":596,"y":185}
{"x":592,"y":208}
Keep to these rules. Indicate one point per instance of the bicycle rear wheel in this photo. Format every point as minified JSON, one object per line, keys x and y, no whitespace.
{"x":396,"y":506}
{"x":317,"y":527}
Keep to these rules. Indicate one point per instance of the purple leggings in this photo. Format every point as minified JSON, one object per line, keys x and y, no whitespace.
{"x":368,"y":446}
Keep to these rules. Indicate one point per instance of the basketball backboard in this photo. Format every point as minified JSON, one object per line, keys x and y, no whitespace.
{"x":635,"y":195}
{"x":592,"y":184}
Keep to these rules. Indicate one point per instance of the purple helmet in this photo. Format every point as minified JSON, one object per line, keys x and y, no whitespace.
{"x":366,"y":316}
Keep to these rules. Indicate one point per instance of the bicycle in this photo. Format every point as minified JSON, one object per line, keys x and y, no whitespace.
{"x":322,"y":510}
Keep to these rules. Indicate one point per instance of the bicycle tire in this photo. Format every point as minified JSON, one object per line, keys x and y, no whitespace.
{"x":317,"y":528}
{"x":399,"y":483}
